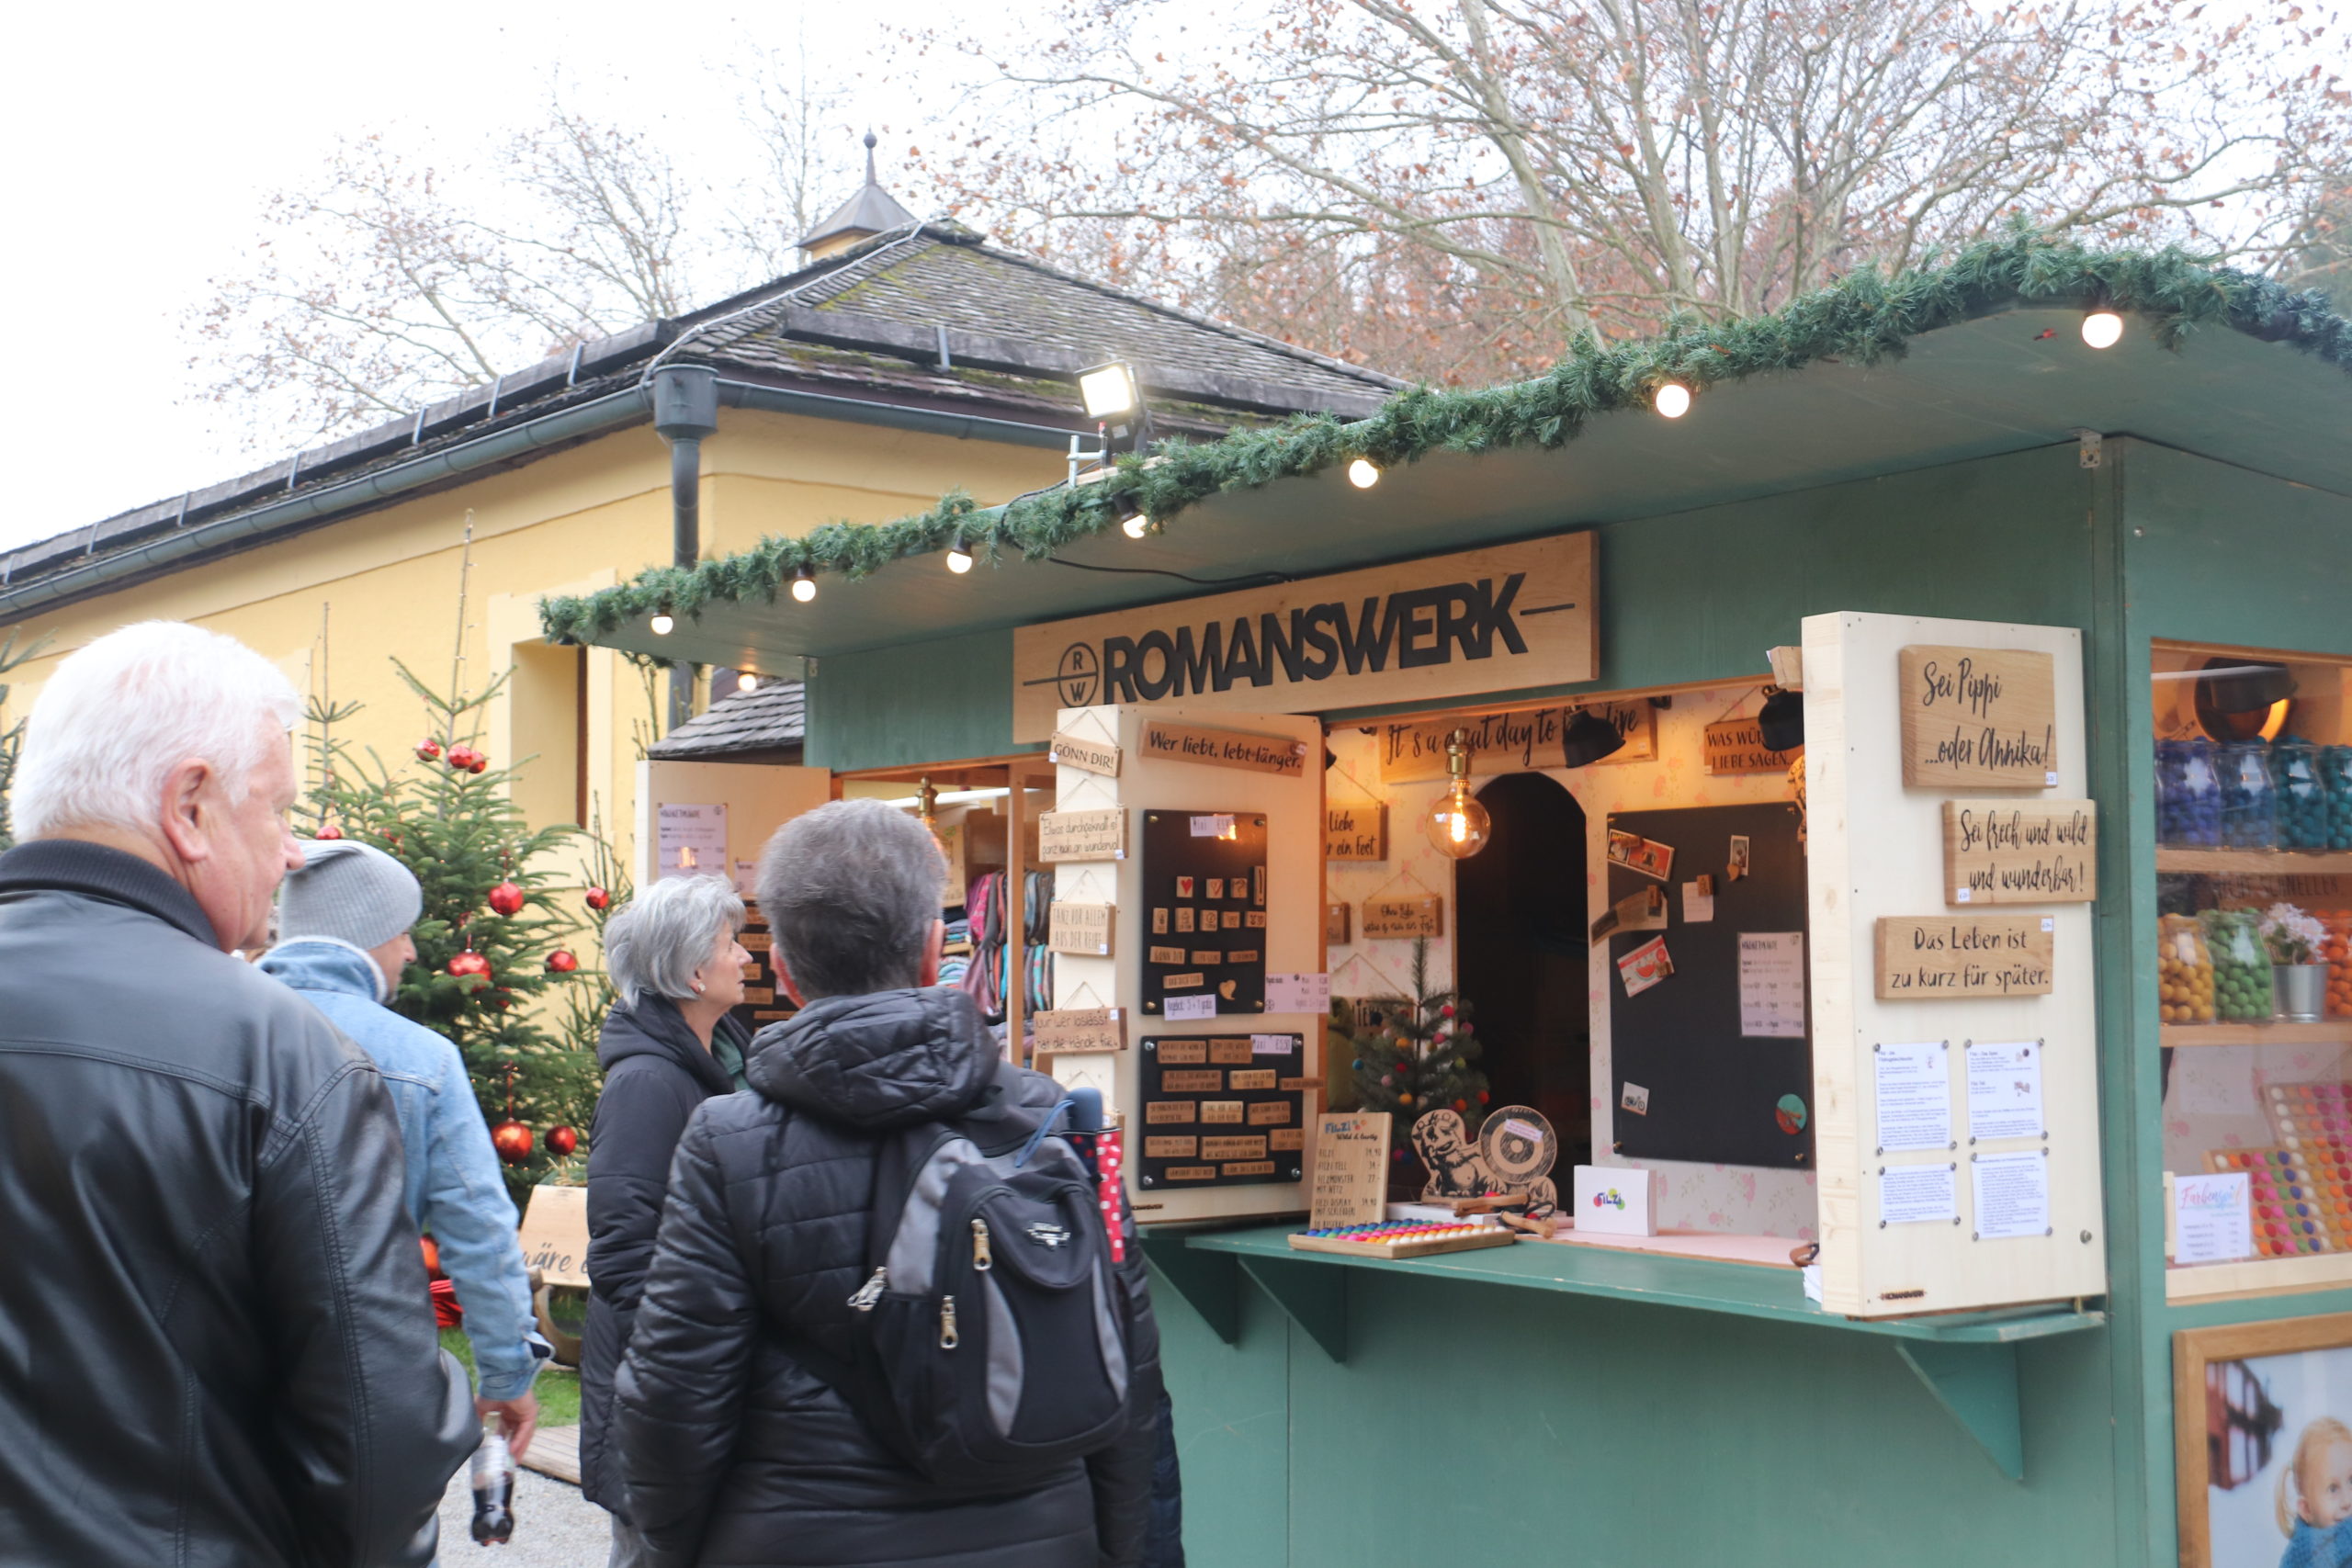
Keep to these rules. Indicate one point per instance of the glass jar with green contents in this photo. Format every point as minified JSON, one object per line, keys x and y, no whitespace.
{"x":2241,"y":965}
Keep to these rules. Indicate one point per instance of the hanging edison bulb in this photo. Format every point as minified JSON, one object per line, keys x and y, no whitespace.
{"x":1458,"y":825}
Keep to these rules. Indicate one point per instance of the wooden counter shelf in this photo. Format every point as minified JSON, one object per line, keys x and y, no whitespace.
{"x":1968,"y":1359}
{"x":2254,"y":862}
{"x":2333,"y":1031}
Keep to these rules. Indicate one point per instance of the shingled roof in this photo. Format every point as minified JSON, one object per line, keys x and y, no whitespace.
{"x":771,"y":719}
{"x":925,"y":317}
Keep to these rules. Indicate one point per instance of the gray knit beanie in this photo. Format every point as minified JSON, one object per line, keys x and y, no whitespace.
{"x":353,"y":892}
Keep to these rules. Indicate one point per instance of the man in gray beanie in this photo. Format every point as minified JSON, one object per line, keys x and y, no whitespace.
{"x":342,"y":923}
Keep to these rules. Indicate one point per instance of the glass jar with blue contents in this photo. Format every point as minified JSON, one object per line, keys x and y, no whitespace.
{"x":2249,"y":813}
{"x":2188,"y":795}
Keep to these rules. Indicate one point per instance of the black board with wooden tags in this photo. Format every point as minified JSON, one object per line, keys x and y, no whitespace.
{"x":1712,"y":1093}
{"x":1219,"y":1110}
{"x":1204,"y":917}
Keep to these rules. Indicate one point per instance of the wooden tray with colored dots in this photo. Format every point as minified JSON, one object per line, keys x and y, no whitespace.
{"x":1403,"y":1238}
{"x":2301,"y":1188}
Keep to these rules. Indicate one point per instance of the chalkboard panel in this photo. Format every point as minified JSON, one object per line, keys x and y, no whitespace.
{"x":1220,"y":1111}
{"x":1713,"y":1094}
{"x":1204,"y":910}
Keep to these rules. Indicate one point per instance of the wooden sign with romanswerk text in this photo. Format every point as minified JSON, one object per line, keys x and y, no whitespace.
{"x":1355,"y":832}
{"x":1082,"y":835}
{"x":1978,"y":717}
{"x":1502,"y":618}
{"x":1089,"y":756}
{"x":1999,"y":852}
{"x":1081,"y":1029}
{"x":1083,"y":928}
{"x":1224,"y":749}
{"x":1424,"y":916}
{"x":1939,"y":957}
{"x":1350,"y":1169}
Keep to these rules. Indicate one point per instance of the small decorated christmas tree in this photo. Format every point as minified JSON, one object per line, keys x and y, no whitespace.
{"x":1421,"y":1055}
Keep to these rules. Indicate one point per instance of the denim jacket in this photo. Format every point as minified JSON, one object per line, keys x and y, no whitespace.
{"x":450,"y":1179}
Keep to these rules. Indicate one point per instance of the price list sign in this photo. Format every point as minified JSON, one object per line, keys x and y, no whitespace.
{"x":1222,"y":1110}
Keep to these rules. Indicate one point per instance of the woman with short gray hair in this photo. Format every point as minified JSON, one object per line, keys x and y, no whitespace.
{"x":670,"y":1044}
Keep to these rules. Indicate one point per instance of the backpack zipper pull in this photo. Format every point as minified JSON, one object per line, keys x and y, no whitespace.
{"x":981,"y":1258}
{"x":870,"y":1292}
{"x":947,"y":1336}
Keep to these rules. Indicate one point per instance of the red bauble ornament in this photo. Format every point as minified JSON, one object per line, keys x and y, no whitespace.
{"x":561,"y":962}
{"x":506,"y":898}
{"x":329,"y":833}
{"x":1482,"y":1096}
{"x":1446,"y":1011}
{"x":598,"y":898}
{"x":511,"y":1140}
{"x":478,"y":764}
{"x":469,"y":962}
{"x":501,"y":1000}
{"x":460,"y":758}
{"x":561,"y":1141}
{"x":428,"y":749}
{"x":1462,"y":1105}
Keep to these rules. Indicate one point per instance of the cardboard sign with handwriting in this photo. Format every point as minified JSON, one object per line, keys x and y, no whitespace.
{"x":1082,"y":835}
{"x":1080,"y":928}
{"x":1938,"y":957}
{"x":1350,"y":1169}
{"x":1978,"y":717}
{"x":554,"y":1236}
{"x":1999,"y":852}
{"x":1424,"y":916}
{"x":1224,"y":749}
{"x":1736,"y":746}
{"x":1087,"y":756}
{"x":1082,"y":1029}
{"x":1355,"y":832}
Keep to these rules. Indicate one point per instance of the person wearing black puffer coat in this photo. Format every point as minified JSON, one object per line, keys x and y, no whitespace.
{"x":736,"y":1453}
{"x":669,"y":1045}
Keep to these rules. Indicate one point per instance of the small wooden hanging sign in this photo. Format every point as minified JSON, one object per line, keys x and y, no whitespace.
{"x":1355,"y":832}
{"x":1937,"y":957}
{"x":2042,"y":853}
{"x":1337,"y":920}
{"x":1082,"y":1029}
{"x":1082,"y":835}
{"x":1736,"y":746}
{"x":1082,"y":928}
{"x":1089,"y":756}
{"x":1386,"y":918}
{"x":1978,"y":717}
{"x":1226,"y":749}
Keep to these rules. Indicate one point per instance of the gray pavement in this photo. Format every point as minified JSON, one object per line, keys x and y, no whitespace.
{"x":555,"y":1527}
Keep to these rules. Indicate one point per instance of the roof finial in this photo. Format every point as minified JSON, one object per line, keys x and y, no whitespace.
{"x":870,"y":141}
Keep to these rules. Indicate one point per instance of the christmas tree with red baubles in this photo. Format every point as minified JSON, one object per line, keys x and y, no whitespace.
{"x":1419,"y":1054}
{"x":501,"y":924}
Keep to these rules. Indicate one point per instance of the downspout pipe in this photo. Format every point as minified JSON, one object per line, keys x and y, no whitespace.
{"x":685,"y":411}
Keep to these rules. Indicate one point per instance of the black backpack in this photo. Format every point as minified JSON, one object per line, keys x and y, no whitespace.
{"x":993,"y":1330}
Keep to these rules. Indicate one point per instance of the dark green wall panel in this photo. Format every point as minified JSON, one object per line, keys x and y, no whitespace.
{"x":920,"y":702}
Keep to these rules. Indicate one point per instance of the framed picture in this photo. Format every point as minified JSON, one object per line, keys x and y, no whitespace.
{"x":2262,"y":1442}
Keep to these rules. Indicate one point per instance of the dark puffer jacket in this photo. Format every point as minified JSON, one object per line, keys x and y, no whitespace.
{"x":736,"y":1453}
{"x":656,"y":1072}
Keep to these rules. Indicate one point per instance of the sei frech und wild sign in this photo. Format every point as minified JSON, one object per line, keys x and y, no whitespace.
{"x":1979,"y":718}
{"x":1998,"y":852}
{"x":1483,"y":620}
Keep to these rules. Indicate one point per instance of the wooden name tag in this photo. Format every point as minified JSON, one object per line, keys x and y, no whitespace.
{"x":1083,"y":928}
{"x":1082,"y":835}
{"x":1087,"y":756}
{"x":1404,"y":917}
{"x":1082,"y":1029}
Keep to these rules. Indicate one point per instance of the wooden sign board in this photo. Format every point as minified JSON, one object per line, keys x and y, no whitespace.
{"x":1978,"y":717}
{"x":554,"y":1236}
{"x":1083,"y":928}
{"x":1509,"y":742}
{"x":1082,"y":835}
{"x":1338,"y":922}
{"x":1226,"y":749}
{"x":1505,"y":617}
{"x":1081,"y":1029}
{"x":1355,"y":832}
{"x":2044,"y":853}
{"x":1386,"y":918}
{"x":1736,"y":746}
{"x":1939,"y":957}
{"x":1089,"y":756}
{"x":1350,"y":1169}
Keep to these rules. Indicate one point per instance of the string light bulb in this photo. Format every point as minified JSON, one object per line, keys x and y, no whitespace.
{"x":747,"y":681}
{"x":1363,"y":473}
{"x":664,"y":623}
{"x":2102,"y":329}
{"x":1458,"y":825}
{"x":1134,"y":521}
{"x":959,"y":559}
{"x":804,"y":585}
{"x":1673,"y":399}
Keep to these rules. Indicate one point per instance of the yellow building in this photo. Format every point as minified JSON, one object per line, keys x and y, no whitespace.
{"x":905,"y":360}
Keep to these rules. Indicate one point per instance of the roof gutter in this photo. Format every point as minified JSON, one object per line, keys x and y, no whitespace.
{"x":894,"y":416}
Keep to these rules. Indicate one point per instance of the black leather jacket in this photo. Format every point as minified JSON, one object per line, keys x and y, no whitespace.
{"x":216,"y":1349}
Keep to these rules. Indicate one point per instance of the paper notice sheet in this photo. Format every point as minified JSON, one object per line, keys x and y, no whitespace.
{"x":1772,"y":985}
{"x":2212,"y":1218}
{"x":2012,"y":1194}
{"x":693,"y":841}
{"x":1914,"y":1097}
{"x":2004,"y":1090}
{"x":1298,"y":993}
{"x":1916,"y":1194}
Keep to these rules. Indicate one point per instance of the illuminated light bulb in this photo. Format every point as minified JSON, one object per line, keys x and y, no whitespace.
{"x":1673,"y":400}
{"x":746,"y":681}
{"x":1363,"y":473}
{"x":664,"y":623}
{"x":1134,"y":521}
{"x":1458,"y":826}
{"x":960,"y":559}
{"x":2102,"y":329}
{"x":804,"y":585}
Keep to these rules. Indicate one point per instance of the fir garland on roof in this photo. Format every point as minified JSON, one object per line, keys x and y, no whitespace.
{"x":1862,"y":318}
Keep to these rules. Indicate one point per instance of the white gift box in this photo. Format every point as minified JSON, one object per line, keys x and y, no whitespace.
{"x":1620,"y":1200}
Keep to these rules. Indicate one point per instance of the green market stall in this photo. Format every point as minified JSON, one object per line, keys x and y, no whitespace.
{"x":2100,"y":1335}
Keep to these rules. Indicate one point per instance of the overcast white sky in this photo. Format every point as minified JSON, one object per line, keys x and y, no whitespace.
{"x":144,"y":138}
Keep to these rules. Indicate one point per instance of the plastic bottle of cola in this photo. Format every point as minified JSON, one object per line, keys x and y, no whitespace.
{"x":493,"y":1483}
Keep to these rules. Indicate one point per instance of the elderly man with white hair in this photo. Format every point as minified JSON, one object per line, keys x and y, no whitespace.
{"x":214,"y":1343}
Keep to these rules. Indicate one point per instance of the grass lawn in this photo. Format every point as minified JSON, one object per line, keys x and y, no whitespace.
{"x":558,"y":1387}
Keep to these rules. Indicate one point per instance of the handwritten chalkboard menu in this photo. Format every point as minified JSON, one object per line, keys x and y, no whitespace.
{"x":1204,"y":913}
{"x":1221,"y":1110}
